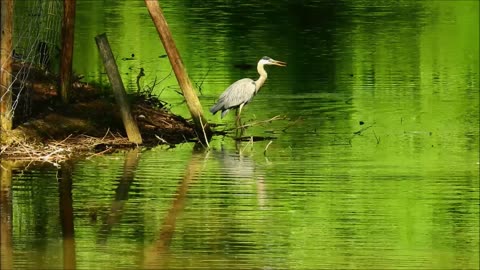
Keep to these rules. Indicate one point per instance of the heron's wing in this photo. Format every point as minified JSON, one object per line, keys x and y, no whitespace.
{"x":241,"y":91}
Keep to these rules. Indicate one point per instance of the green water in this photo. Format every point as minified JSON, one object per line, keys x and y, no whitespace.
{"x":376,"y":165}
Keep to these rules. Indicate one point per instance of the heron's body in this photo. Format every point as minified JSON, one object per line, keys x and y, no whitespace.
{"x":238,"y":94}
{"x":242,"y":91}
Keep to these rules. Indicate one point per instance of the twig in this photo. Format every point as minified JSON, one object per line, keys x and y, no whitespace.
{"x":153,"y":86}
{"x":204,"y":134}
{"x":199,"y":85}
{"x":26,"y":150}
{"x":169,"y":74}
{"x":277,"y":117}
{"x":100,"y":153}
{"x":266,"y":147}
{"x":46,"y":158}
{"x":359,"y":132}
{"x":62,"y":141}
{"x":106,"y":133}
{"x":139,"y":76}
{"x":163,"y":140}
{"x":4,"y":147}
{"x":377,"y":138}
{"x":292,"y":124}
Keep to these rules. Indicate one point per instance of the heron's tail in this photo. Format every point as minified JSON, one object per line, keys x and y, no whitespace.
{"x":215,"y":108}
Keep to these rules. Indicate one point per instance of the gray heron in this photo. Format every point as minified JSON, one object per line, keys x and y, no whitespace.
{"x":242,"y":91}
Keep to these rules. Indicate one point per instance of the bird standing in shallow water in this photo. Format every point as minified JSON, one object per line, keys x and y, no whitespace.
{"x":242,"y":91}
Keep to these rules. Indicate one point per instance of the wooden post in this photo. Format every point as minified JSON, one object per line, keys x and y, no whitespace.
{"x":131,"y":127}
{"x":6,"y":115}
{"x":201,"y":125}
{"x":68,"y":25}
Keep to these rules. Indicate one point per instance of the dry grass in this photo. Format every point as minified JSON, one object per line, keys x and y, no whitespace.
{"x":56,"y":152}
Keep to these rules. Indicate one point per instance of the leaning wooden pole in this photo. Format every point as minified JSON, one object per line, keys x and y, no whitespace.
{"x":201,"y":125}
{"x":6,"y":115}
{"x":131,"y":127}
{"x":66,"y":59}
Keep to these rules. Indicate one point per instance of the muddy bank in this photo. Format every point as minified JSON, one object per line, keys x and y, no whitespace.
{"x":91,"y":123}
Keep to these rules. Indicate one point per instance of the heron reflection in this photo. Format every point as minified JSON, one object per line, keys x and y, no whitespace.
{"x":240,"y":167}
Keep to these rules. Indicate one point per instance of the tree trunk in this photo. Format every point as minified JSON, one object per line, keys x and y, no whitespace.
{"x":66,"y":59}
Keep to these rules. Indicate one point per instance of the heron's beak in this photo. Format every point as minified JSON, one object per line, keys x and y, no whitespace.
{"x":279,"y":63}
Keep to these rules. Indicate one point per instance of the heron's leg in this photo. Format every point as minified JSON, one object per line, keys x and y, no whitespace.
{"x":239,"y":111}
{"x":238,"y":122}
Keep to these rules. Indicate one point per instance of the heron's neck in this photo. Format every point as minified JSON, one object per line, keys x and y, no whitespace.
{"x":263,"y":76}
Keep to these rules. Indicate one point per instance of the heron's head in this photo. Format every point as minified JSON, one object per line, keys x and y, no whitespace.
{"x":269,"y":61}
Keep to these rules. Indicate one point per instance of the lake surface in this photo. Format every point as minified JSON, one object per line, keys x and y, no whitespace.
{"x":374,"y":163}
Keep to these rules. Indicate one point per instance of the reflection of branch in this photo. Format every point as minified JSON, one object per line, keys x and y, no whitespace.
{"x":266,"y":148}
{"x":250,"y":142}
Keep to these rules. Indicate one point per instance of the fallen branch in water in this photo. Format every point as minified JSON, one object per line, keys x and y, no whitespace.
{"x":257,"y":123}
{"x":360,"y":133}
{"x":292,"y":124}
{"x":253,"y":138}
